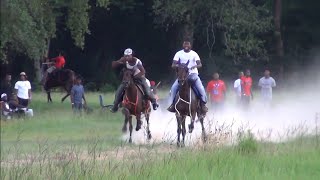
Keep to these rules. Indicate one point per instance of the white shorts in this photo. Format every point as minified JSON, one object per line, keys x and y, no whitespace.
{"x":51,"y":69}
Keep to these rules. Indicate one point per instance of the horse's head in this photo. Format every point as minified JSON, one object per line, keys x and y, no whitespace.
{"x":127,"y":77}
{"x":182,"y":72}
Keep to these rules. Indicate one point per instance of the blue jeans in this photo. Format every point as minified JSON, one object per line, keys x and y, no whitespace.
{"x":197,"y":84}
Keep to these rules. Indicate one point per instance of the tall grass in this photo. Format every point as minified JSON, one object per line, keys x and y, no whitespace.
{"x":55,"y":144}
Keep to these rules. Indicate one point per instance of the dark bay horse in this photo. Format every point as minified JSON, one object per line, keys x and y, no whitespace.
{"x":62,"y":78}
{"x":134,"y":104}
{"x":186,"y":104}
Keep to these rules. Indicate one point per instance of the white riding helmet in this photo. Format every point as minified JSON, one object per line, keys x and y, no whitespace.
{"x":128,"y":51}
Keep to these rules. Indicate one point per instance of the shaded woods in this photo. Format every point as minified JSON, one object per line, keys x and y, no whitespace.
{"x":229,"y":35}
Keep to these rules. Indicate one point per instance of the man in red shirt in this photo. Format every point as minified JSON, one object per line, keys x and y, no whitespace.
{"x":216,"y":90}
{"x":246,"y":89}
{"x":56,"y":63}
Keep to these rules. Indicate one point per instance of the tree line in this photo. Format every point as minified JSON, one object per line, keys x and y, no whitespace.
{"x":229,"y":35}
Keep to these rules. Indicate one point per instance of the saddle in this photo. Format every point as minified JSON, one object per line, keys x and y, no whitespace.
{"x":55,"y":74}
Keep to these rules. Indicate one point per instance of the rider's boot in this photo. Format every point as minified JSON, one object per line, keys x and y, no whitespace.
{"x":171,"y":108}
{"x":148,"y":93}
{"x":203,"y":107}
{"x":118,"y":98}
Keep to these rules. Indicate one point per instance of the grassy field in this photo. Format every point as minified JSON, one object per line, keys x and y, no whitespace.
{"x":55,"y":144}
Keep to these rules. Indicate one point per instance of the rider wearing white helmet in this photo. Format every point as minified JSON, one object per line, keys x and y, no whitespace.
{"x":135,"y":64}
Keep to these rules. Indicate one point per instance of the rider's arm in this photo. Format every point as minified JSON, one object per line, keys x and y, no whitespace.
{"x":142,"y":71}
{"x":117,"y":63}
{"x":199,"y":65}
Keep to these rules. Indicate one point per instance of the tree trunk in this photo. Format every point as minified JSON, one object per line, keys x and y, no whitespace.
{"x":188,"y":27}
{"x":37,"y":64}
{"x":277,"y":33}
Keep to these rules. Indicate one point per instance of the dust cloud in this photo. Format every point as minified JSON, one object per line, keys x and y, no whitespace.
{"x":295,"y":111}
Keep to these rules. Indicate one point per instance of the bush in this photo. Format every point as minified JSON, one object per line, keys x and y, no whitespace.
{"x":247,"y":144}
{"x":90,"y":86}
{"x":107,"y":88}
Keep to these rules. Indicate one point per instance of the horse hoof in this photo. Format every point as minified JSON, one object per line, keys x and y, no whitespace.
{"x":130,"y":140}
{"x":180,"y":145}
{"x":204,"y":138}
{"x":149,"y":136}
{"x":138,"y":128}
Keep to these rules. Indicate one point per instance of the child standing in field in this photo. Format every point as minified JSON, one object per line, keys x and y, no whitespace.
{"x":77,"y":94}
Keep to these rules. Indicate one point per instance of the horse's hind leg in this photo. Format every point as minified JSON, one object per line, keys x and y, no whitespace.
{"x":184,"y":131}
{"x":130,"y":128}
{"x":148,"y":127}
{"x":65,"y":97}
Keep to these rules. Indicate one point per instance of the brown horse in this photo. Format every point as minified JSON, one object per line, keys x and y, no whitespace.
{"x":186,"y":104}
{"x":62,"y":78}
{"x":134,"y":104}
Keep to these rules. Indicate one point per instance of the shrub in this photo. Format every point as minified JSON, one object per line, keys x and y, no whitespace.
{"x":247,"y":144}
{"x":107,"y":88}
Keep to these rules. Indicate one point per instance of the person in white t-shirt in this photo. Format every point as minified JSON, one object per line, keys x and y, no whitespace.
{"x":266,"y":83}
{"x":23,"y":90}
{"x":183,"y":56}
{"x":237,"y":87}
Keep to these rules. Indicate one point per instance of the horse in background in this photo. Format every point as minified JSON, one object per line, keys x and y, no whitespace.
{"x":134,"y":104}
{"x":186,"y":104}
{"x":64,"y":78}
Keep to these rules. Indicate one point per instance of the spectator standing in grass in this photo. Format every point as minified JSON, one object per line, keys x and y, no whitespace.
{"x":266,"y":83}
{"x":216,"y":89}
{"x":23,"y":90}
{"x":246,"y":89}
{"x":77,"y":94}
{"x":6,"y":86}
{"x":237,"y":88}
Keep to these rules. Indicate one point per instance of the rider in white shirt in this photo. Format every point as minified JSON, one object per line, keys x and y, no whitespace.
{"x":185,"y":55}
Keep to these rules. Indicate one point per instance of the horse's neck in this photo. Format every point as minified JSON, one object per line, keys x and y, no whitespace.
{"x":184,"y":91}
{"x":132,"y":92}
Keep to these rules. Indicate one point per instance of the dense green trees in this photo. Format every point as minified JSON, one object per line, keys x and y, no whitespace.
{"x":229,"y":34}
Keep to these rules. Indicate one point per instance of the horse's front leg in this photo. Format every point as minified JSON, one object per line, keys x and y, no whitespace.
{"x":178,"y":129}
{"x":139,"y":122}
{"x":130,"y":128}
{"x":126,"y":120}
{"x":49,"y":96}
{"x":191,"y":125}
{"x":183,"y":121}
{"x":148,"y":128}
{"x":204,"y":135}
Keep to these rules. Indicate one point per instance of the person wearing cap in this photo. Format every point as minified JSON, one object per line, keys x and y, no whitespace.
{"x":131,"y":62}
{"x":23,"y":90}
{"x":5,"y":109}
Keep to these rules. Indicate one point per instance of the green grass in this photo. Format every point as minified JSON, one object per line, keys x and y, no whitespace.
{"x":97,"y":151}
